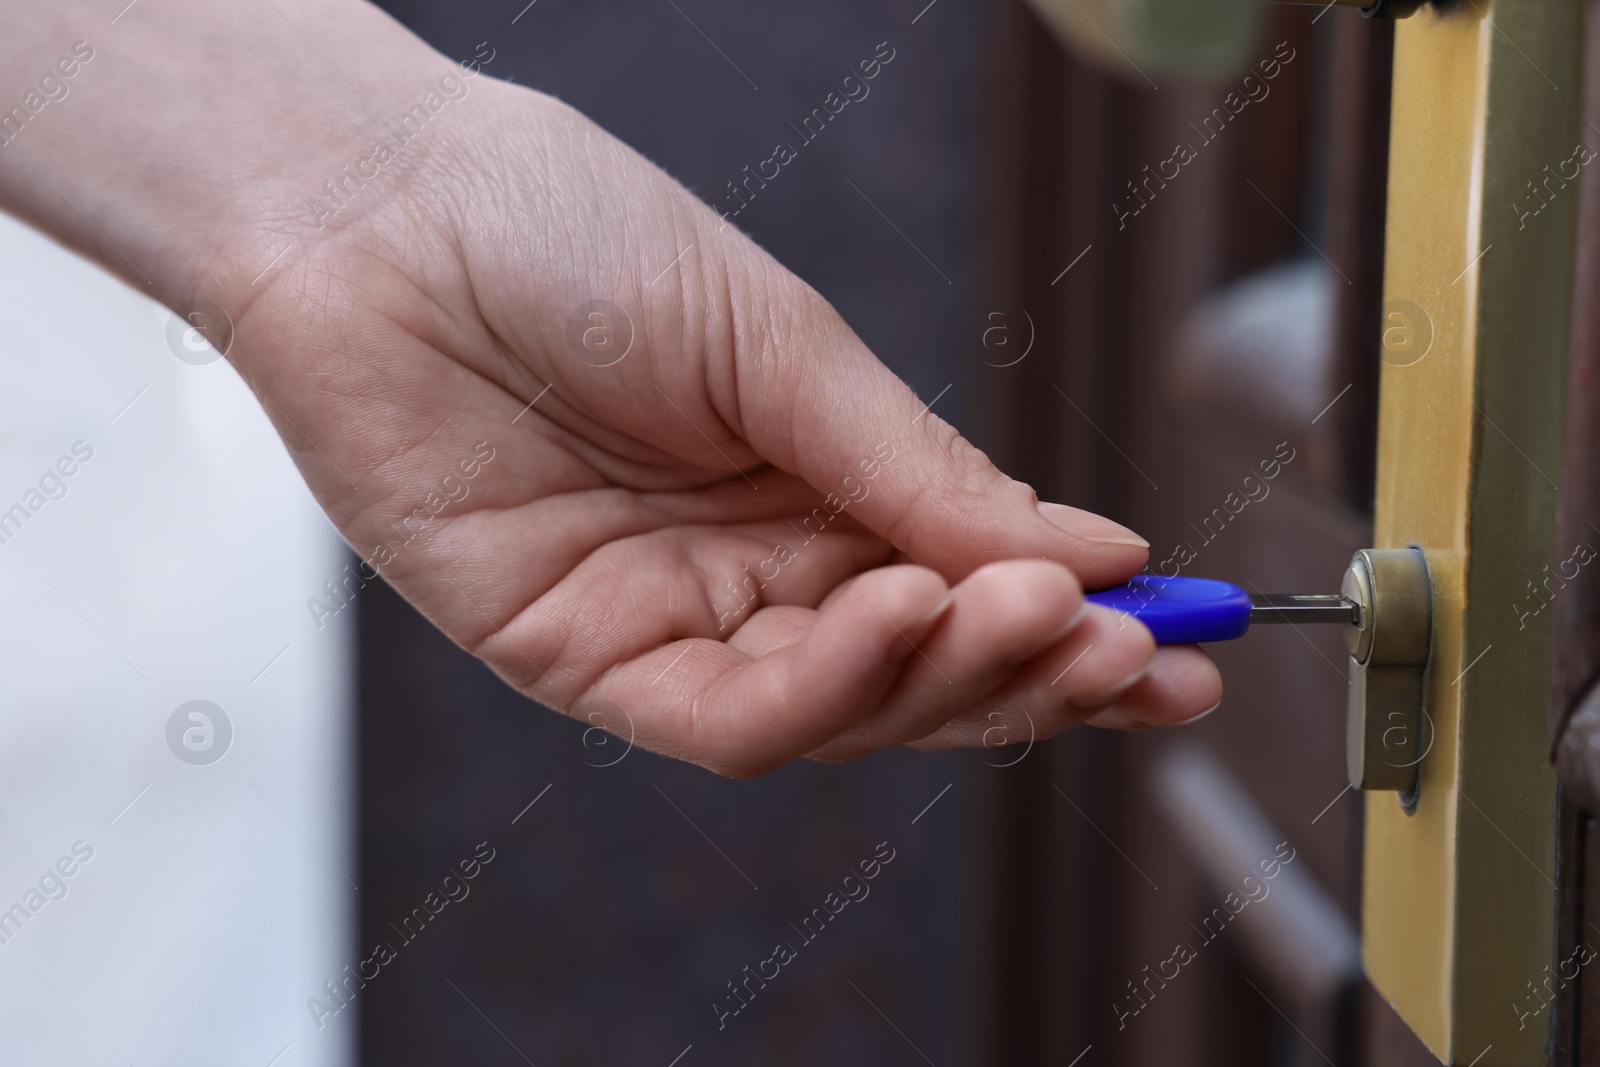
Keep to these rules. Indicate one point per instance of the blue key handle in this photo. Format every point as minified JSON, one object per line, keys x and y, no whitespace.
{"x":1181,"y":611}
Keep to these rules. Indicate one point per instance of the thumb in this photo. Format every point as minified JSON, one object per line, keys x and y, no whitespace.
{"x":816,"y":402}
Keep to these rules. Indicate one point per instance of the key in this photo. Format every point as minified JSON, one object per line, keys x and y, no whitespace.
{"x":1186,"y":611}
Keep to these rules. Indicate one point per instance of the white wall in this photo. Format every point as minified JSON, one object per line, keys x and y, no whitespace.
{"x":181,"y":558}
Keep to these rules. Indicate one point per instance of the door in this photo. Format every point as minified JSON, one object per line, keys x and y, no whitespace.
{"x":1209,"y":373}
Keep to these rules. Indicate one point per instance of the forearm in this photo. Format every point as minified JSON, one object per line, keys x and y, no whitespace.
{"x":183,"y":139}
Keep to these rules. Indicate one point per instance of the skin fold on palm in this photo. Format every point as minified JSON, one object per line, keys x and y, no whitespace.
{"x":727,"y":530}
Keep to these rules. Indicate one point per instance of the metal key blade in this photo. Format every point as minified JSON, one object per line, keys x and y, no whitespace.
{"x":1296,"y":608}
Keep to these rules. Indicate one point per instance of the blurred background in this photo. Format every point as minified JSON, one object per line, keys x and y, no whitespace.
{"x":1000,"y":219}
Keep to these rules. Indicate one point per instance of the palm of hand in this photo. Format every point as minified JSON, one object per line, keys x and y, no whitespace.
{"x":610,"y":447}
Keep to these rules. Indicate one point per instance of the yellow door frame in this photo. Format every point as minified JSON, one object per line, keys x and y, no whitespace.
{"x":1459,"y":900}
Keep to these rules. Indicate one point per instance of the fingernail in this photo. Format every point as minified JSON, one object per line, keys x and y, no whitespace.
{"x":1088,"y":526}
{"x":1203,"y":714}
{"x":1115,"y":718}
{"x":933,"y":616}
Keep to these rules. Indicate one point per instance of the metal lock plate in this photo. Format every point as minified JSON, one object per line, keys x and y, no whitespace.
{"x":1388,"y":667}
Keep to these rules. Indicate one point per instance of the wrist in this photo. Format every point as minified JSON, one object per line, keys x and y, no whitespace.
{"x":191,"y":141}
{"x":356,"y":189}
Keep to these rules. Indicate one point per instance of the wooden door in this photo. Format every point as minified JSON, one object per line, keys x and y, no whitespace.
{"x":1574,"y":709}
{"x":1233,"y":321}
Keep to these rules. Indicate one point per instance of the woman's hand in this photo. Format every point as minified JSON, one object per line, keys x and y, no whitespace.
{"x":609,"y":445}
